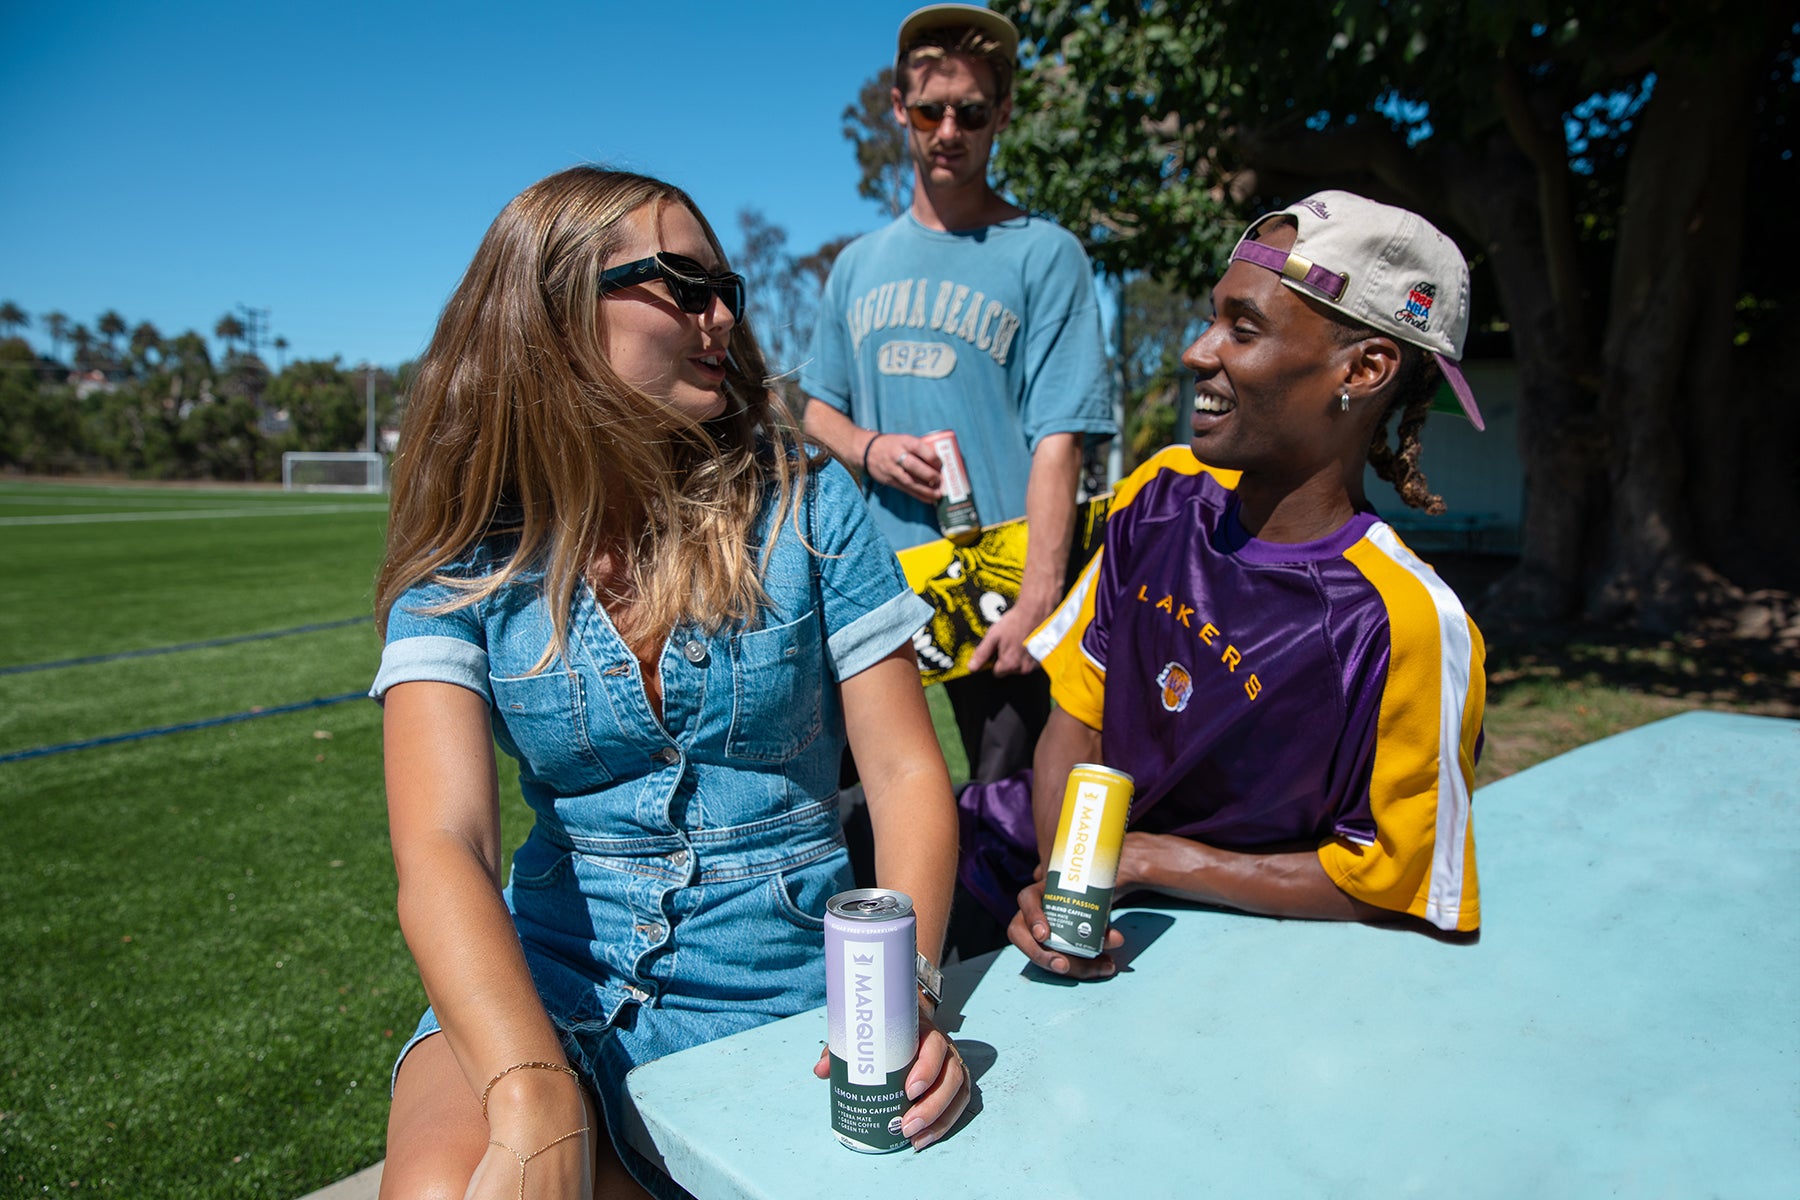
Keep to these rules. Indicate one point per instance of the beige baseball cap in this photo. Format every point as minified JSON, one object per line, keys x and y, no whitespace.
{"x":1384,"y":267}
{"x":946,"y":16}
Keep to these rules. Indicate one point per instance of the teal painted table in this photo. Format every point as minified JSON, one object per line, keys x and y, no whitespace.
{"x":1626,"y":1024}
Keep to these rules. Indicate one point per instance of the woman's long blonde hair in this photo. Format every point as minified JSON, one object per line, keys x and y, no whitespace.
{"x":518,"y":428}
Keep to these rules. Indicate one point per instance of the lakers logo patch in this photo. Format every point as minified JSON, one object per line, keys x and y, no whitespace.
{"x":1177,"y":687}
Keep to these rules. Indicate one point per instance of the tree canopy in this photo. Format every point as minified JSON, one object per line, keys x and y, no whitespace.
{"x":161,"y":408}
{"x":783,"y":290}
{"x":886,"y":172}
{"x":1594,"y":160}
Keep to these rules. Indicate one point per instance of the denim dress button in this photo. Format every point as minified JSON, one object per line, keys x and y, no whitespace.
{"x":743,"y":735}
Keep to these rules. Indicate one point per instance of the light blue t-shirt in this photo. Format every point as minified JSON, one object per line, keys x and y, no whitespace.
{"x":993,"y":333}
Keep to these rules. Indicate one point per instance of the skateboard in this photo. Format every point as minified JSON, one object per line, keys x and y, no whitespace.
{"x":970,"y":587}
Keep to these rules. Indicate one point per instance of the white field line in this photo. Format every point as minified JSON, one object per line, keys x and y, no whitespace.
{"x":42,"y":501}
{"x":200,"y":514}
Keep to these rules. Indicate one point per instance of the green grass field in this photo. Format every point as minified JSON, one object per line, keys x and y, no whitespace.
{"x":204,"y":983}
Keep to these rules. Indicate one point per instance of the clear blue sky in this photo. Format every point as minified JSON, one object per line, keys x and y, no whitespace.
{"x":336,"y":163}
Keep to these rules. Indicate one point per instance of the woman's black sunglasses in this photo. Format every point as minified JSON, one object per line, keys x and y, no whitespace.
{"x":927,"y":116}
{"x":690,"y":285}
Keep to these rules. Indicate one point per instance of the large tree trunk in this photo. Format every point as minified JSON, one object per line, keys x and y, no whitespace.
{"x":1744,"y":490}
{"x":1668,"y":333}
{"x":1498,"y":199}
{"x":1747,"y":499}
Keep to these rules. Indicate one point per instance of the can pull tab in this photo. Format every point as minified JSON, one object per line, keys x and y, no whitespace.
{"x":931,"y":980}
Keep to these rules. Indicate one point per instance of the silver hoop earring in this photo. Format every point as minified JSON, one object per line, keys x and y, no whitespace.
{"x":1344,"y":400}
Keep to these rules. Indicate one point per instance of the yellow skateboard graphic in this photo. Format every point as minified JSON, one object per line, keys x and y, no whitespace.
{"x":971,"y":587}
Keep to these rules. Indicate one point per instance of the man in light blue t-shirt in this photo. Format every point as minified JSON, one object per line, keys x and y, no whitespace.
{"x":966,"y":314}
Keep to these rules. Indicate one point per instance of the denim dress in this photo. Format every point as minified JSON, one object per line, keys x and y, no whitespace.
{"x":672,"y":889}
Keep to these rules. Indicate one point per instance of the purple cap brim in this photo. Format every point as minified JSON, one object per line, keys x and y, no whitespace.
{"x":1454,"y":376}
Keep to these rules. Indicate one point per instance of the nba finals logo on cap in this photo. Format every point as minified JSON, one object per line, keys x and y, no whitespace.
{"x":1177,"y":687}
{"x":1417,"y":312}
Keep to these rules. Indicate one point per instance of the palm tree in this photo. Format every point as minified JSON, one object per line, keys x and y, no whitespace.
{"x":188,"y":350}
{"x":56,"y":324}
{"x":82,"y":338}
{"x":110,"y":326}
{"x":281,"y":345}
{"x":229,"y":330}
{"x":145,"y":339}
{"x":12,"y":318}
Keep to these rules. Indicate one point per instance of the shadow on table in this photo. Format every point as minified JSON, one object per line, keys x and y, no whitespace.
{"x":1141,"y":928}
{"x":1143,"y":925}
{"x":979,"y":1057}
{"x":960,"y":982}
{"x":1400,"y":923}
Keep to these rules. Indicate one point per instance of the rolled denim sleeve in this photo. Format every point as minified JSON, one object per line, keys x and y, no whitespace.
{"x":421,"y":645}
{"x":869,"y":609}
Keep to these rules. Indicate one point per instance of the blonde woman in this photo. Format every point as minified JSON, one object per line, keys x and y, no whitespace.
{"x":608,"y":555}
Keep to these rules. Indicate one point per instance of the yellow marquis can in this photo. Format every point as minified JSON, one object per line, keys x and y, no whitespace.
{"x":1084,"y":865}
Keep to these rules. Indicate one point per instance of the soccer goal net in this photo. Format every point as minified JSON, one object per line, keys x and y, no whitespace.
{"x":332,"y":471}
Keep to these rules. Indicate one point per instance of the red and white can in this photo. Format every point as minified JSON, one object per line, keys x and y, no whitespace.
{"x":958,"y":519}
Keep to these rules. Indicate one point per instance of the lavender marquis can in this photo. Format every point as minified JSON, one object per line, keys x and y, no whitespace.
{"x":958,"y":519}
{"x":872,"y":1008}
{"x":1084,"y":863}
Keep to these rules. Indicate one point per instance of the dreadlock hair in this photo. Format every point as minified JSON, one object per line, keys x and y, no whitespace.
{"x":1414,"y":387}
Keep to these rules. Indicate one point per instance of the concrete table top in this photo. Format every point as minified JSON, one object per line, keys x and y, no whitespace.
{"x":1626,"y":1023}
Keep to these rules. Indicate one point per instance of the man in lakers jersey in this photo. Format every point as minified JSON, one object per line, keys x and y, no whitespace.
{"x":1297,"y":696}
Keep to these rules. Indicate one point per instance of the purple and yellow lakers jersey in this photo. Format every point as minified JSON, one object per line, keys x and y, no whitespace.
{"x":1267,"y":695}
